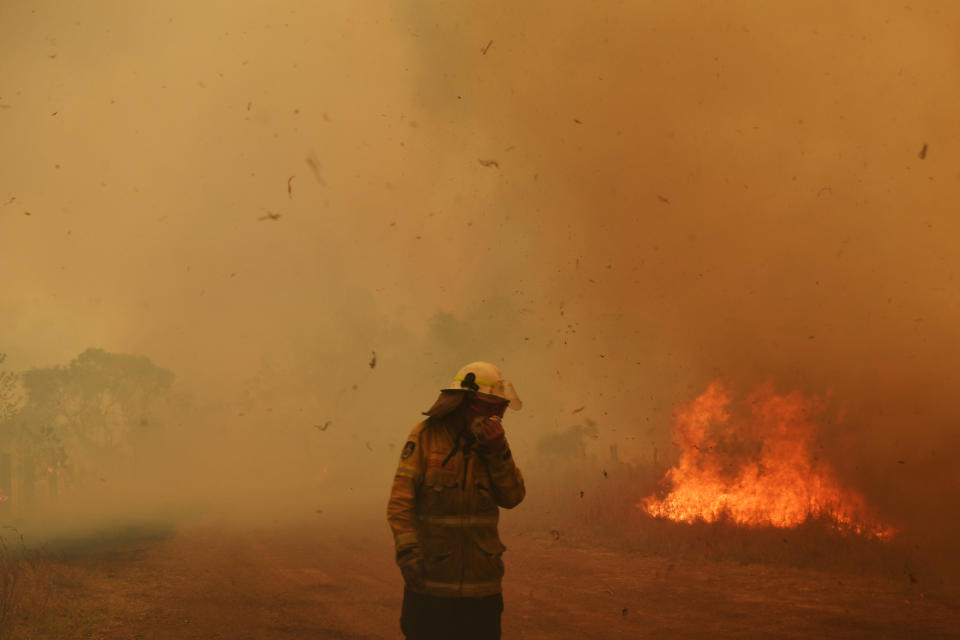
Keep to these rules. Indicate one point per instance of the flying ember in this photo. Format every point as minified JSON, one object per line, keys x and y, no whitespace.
{"x":756,"y":468}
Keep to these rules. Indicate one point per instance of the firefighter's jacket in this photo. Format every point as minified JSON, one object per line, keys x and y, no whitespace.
{"x":447,"y":508}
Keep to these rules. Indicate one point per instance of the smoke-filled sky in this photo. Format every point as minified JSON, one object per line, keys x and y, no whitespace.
{"x":615,"y":202}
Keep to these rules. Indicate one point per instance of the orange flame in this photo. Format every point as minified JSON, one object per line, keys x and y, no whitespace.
{"x":757,"y":471}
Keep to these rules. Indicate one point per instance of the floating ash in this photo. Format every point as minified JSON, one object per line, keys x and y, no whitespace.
{"x":758,"y":467}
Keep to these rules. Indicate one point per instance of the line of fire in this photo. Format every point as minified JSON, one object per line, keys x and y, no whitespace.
{"x":758,"y":467}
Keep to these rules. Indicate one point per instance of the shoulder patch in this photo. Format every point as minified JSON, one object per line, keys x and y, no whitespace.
{"x":408,"y":450}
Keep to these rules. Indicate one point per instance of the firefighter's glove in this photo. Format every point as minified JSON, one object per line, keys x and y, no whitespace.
{"x":491,"y":432}
{"x":411,"y":566}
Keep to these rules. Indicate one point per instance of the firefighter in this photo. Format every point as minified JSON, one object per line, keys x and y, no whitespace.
{"x":455,"y":472}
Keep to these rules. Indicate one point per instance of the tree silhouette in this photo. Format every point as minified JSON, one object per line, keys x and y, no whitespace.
{"x":89,"y":415}
{"x":10,"y":399}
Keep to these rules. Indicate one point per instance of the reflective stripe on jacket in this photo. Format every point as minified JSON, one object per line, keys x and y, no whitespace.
{"x":447,"y":507}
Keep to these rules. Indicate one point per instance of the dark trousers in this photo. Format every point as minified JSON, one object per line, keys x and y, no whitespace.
{"x":433,"y":618}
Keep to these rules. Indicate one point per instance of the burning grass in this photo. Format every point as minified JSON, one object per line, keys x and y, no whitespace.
{"x":582,"y":500}
{"x":757,"y":463}
{"x":607,"y":516}
{"x":751,"y":483}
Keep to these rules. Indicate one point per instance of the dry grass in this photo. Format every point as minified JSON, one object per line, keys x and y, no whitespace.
{"x":11,"y":572}
{"x":27,"y":582}
{"x":47,"y":592}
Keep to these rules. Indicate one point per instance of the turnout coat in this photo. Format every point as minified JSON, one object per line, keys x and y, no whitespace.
{"x":445,"y":504}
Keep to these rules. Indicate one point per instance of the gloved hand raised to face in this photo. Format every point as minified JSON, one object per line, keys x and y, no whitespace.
{"x":492,"y":434}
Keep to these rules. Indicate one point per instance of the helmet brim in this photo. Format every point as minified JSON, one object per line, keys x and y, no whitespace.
{"x":506,"y":392}
{"x":446,"y":402}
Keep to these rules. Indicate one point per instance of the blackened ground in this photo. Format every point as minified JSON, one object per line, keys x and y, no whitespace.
{"x":334,"y":578}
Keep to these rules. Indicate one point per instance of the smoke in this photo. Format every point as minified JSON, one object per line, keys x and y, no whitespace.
{"x":616,"y":203}
{"x":744,"y":191}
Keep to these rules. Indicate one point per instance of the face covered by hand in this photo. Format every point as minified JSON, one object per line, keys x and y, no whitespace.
{"x":484,"y":413}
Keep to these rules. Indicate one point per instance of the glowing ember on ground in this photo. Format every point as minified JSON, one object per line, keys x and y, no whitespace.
{"x":758,"y":469}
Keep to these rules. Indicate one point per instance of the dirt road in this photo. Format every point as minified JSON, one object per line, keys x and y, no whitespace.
{"x":211,"y":580}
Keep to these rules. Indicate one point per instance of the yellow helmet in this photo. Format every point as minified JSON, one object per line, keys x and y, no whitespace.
{"x":483,"y":377}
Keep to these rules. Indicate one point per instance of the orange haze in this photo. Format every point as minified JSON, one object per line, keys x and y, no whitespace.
{"x":615,"y":202}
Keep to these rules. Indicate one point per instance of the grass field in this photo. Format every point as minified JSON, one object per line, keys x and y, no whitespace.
{"x":578,"y":566}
